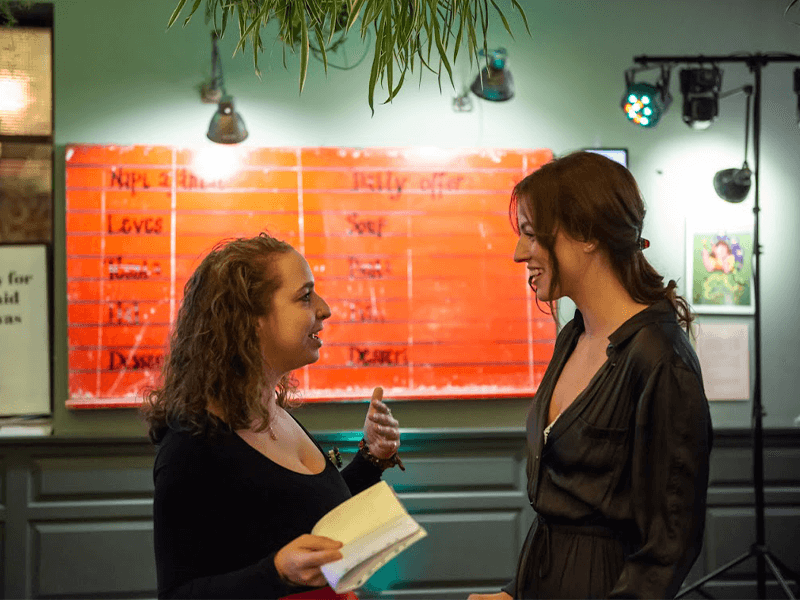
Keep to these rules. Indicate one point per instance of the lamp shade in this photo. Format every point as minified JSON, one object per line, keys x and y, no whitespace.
{"x":733,"y":185}
{"x":226,"y":125}
{"x":494,"y":81}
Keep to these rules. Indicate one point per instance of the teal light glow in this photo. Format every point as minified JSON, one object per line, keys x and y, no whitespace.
{"x":643,"y":104}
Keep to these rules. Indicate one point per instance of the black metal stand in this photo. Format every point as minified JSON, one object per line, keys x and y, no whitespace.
{"x":759,"y":550}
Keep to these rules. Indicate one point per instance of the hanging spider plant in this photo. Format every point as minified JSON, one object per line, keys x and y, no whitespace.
{"x":405,"y":31}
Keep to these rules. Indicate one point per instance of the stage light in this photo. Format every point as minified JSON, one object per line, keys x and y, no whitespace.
{"x":733,"y":185}
{"x":494,"y":82}
{"x":227,"y":126}
{"x":700,"y":89}
{"x":645,"y":103}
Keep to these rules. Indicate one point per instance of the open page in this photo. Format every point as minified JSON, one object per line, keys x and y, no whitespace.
{"x":374,"y":527}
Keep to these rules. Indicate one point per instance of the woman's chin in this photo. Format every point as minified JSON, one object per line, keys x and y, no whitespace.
{"x":309,"y":358}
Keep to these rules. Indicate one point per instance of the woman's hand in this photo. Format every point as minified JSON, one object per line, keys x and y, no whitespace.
{"x":299,"y":561}
{"x":381,"y":429}
{"x":497,"y":596}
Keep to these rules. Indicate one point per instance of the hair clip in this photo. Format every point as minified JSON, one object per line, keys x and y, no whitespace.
{"x":643,"y":243}
{"x":335,"y":457}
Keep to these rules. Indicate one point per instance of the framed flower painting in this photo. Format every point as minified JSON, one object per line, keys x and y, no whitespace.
{"x":719,"y":267}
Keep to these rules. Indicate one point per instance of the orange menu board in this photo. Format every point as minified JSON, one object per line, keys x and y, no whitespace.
{"x":411,"y":248}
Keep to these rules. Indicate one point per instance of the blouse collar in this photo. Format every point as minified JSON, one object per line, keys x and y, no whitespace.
{"x":655,"y":313}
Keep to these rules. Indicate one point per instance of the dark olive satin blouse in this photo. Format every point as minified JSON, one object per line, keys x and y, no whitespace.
{"x":620,"y":486}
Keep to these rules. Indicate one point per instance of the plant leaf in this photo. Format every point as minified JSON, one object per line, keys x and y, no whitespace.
{"x":442,"y":56}
{"x":428,"y":28}
{"x":224,"y":21}
{"x":458,"y":40}
{"x":522,"y":14}
{"x":399,"y":83}
{"x":503,"y":18}
{"x":354,"y":10}
{"x":303,"y":52}
{"x":253,"y":27}
{"x":321,"y":42}
{"x":373,"y":75}
{"x":175,"y":13}
{"x":194,"y":8}
{"x":371,"y":14}
{"x":404,"y":31}
{"x":472,"y":41}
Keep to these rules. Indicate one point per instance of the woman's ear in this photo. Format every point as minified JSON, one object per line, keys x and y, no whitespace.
{"x":590,"y":246}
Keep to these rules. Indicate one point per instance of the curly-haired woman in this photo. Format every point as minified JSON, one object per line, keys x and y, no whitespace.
{"x":619,"y":432}
{"x":239,"y":482}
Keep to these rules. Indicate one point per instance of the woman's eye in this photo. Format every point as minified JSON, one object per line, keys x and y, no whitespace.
{"x":306,"y":297}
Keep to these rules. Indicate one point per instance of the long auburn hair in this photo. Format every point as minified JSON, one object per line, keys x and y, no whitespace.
{"x":590,"y":197}
{"x":214,"y":352}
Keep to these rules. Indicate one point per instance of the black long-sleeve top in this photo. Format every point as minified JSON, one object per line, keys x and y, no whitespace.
{"x":222,"y":510}
{"x":620,"y":485}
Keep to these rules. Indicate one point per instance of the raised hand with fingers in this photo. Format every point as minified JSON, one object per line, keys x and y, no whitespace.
{"x":381,"y":432}
{"x":299,"y":561}
{"x":381,"y":429}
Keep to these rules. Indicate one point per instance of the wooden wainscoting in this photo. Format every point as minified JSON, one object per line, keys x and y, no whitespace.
{"x":75,"y":514}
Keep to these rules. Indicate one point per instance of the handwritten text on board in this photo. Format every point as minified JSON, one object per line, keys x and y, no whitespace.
{"x":411,"y":248}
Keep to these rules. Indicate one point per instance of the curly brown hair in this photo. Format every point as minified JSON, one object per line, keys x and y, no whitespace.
{"x":214,"y":353}
{"x":591,"y":197}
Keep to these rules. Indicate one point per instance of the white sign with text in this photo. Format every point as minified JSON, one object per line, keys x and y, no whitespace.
{"x":24,"y":331}
{"x":723,"y":350}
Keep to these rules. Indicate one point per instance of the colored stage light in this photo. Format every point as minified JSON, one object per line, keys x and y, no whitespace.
{"x":643,"y":104}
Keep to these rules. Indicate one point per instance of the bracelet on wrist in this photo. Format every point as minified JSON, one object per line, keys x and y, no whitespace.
{"x":381,"y":463}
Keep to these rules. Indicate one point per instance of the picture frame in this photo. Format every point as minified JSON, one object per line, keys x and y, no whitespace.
{"x":719,"y":271}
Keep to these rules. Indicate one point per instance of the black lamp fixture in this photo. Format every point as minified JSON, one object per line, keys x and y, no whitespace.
{"x":700,"y":88}
{"x":227,"y":126}
{"x":797,"y":91}
{"x":494,"y":82}
{"x":733,"y":185}
{"x":644,"y":103}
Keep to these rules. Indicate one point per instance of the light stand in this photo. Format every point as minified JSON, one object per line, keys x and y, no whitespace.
{"x":759,"y":550}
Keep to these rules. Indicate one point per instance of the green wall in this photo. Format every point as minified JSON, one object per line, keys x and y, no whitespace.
{"x":121,"y":78}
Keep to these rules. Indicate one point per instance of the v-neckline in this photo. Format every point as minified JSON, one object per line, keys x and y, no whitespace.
{"x":575,"y":401}
{"x":277,"y":464}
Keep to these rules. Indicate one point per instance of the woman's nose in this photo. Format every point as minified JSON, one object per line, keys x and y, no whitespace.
{"x":522,"y":252}
{"x":323,"y":310}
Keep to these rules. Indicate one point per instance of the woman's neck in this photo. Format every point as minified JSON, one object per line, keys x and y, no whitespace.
{"x":272,"y":407}
{"x":605,"y":305}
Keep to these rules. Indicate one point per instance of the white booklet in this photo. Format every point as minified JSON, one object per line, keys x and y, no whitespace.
{"x":374,"y":528}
